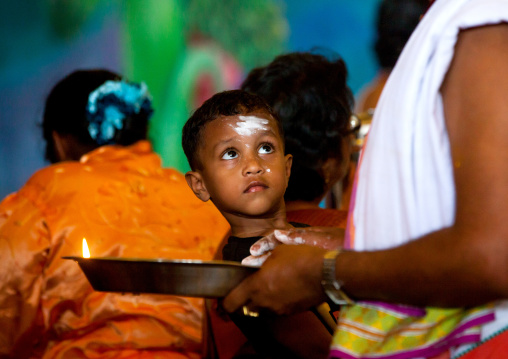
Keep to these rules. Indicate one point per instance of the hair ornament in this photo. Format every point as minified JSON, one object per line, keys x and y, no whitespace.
{"x":111,"y":103}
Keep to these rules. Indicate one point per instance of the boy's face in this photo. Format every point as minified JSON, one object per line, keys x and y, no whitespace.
{"x":244,"y":170}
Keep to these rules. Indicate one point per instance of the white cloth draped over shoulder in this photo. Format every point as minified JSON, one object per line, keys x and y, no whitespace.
{"x":405,"y":186}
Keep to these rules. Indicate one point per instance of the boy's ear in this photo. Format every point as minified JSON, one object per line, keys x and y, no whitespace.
{"x":195,"y":182}
{"x":289,"y":163}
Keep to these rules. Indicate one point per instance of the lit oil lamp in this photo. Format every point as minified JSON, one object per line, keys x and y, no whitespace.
{"x":86,"y":251}
{"x":189,"y":278}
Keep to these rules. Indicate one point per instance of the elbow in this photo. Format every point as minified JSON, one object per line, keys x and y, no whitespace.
{"x":492,"y":265}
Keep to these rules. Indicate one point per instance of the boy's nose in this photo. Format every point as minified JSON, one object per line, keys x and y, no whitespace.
{"x":252,"y":166}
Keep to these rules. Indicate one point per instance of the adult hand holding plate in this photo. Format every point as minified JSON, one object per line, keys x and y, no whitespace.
{"x":288,"y":282}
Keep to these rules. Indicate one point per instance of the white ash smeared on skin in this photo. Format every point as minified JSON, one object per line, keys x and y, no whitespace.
{"x":285,"y":239}
{"x":268,"y":243}
{"x":250,"y":124}
{"x":299,"y":240}
{"x":264,"y":247}
{"x":255,"y":261}
{"x":280,"y":236}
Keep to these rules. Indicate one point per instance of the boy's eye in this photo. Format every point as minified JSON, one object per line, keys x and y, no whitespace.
{"x":266,"y":148}
{"x":229,"y":155}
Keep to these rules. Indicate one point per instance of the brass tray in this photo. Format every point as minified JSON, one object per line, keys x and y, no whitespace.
{"x":189,"y":278}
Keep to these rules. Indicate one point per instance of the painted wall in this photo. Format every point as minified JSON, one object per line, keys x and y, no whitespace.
{"x":185,"y":50}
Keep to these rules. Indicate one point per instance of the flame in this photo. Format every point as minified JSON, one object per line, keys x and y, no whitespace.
{"x":86,"y":251}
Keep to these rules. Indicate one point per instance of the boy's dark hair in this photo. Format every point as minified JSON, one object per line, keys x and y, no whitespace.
{"x":396,"y":21}
{"x":65,"y":113}
{"x":222,"y":104}
{"x":310,"y":95}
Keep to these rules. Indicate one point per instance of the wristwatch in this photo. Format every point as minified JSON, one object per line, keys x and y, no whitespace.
{"x":331,"y":285}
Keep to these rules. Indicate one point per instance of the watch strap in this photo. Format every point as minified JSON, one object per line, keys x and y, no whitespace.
{"x":331,"y":286}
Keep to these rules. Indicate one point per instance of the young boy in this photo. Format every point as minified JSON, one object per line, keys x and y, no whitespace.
{"x":235,"y":146}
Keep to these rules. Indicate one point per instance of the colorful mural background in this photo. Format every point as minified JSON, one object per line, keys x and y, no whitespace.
{"x":185,"y":50}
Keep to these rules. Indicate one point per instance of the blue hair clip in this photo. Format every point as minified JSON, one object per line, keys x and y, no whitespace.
{"x":111,"y":103}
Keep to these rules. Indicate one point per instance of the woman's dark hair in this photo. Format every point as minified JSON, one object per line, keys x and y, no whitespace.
{"x":65,"y":112}
{"x":309,"y":94}
{"x":396,"y":21}
{"x":222,"y":104}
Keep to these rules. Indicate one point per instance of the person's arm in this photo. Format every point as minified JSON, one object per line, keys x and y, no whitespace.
{"x":323,"y":237}
{"x":464,"y":265}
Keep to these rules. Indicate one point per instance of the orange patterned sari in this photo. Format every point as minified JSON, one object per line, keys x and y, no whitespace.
{"x":125,"y":205}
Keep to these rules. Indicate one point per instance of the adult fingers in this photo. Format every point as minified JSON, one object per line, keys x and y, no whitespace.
{"x":255,"y":261}
{"x":269,"y":242}
{"x":239,"y":296}
{"x":265,"y":244}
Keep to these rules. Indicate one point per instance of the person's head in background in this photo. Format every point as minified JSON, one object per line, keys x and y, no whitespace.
{"x":309,"y":94}
{"x":91,"y":108}
{"x":396,"y":20}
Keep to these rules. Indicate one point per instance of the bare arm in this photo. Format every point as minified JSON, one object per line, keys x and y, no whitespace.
{"x":466,"y":264}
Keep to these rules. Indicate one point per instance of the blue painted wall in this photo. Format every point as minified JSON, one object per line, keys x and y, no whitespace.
{"x":41,"y":41}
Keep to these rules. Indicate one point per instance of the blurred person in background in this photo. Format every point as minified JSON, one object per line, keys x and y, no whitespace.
{"x":310,"y":95}
{"x":106,"y":185}
{"x":395,"y":22}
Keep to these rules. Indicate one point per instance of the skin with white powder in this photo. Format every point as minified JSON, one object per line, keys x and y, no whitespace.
{"x":299,"y":240}
{"x":250,"y":124}
{"x":253,"y":261}
{"x":262,"y":249}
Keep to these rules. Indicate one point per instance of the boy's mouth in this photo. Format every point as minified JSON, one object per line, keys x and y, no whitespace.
{"x":255,"y":186}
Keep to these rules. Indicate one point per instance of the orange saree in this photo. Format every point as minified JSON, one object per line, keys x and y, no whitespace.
{"x":125,"y":205}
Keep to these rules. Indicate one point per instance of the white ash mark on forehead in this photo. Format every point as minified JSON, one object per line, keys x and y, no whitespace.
{"x":250,"y":124}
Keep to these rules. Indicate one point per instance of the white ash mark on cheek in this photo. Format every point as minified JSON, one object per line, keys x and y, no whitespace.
{"x":267,"y":170}
{"x":250,"y":124}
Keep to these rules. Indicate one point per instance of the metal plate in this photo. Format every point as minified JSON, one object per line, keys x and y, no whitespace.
{"x":192,"y":278}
